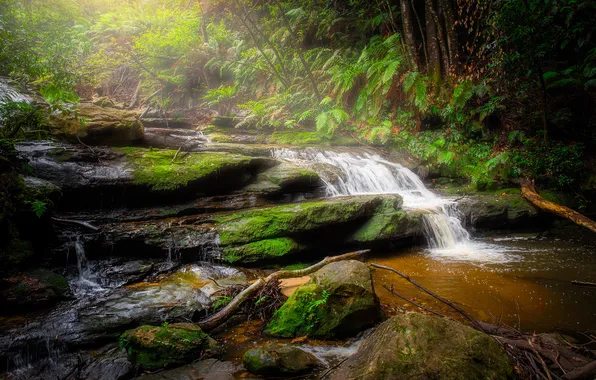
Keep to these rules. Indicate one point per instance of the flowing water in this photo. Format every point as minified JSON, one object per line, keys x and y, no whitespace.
{"x":86,"y":281}
{"x":364,"y":172}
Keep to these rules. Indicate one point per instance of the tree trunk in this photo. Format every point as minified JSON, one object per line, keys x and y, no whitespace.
{"x":440,"y":35}
{"x":432,"y":41}
{"x":424,"y":48}
{"x":299,"y":51}
{"x":449,"y":18}
{"x":406,"y":16}
{"x":224,"y":314}
{"x":529,"y":192}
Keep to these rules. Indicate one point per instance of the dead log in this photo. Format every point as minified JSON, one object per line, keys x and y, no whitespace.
{"x":584,"y":283}
{"x":589,"y":370}
{"x":529,"y":192}
{"x":225,"y":313}
{"x":77,"y":222}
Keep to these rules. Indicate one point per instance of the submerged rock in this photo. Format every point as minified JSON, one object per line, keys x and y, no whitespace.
{"x":28,"y":291}
{"x":153,"y":347}
{"x":416,"y":346}
{"x":338,"y":301}
{"x":276,"y":360}
{"x":101,"y":126}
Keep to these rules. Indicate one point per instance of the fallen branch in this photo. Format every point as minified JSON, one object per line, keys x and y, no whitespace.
{"x":77,"y":222}
{"x":582,"y":372}
{"x":529,"y":192}
{"x":176,"y":155}
{"x":225,"y":313}
{"x":583,"y":283}
{"x":390,"y":290}
{"x":438,"y":297}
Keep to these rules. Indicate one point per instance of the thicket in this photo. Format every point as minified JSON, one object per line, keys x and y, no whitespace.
{"x":492,"y":89}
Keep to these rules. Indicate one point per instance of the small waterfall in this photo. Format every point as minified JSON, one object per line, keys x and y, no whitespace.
{"x":8,"y":93}
{"x":86,"y":280}
{"x":365,"y":172}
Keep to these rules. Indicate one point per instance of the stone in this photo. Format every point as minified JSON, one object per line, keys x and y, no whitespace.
{"x":29,"y":291}
{"x":98,"y":125}
{"x":290,"y":177}
{"x":416,"y":346}
{"x":156,"y":347}
{"x":337,"y":302}
{"x":280,"y":361}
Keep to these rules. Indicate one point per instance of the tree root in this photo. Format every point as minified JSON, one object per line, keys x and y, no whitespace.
{"x":226,"y":312}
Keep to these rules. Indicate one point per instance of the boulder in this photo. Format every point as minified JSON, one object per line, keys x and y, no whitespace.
{"x":40,"y":288}
{"x":98,"y":125}
{"x":156,"y":347}
{"x":280,"y":361}
{"x":416,"y":346}
{"x":211,"y":369}
{"x":290,"y":177}
{"x":499,"y":211}
{"x":338,"y":301}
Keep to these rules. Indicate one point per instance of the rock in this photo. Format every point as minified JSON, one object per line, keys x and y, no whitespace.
{"x":416,"y":346}
{"x":261,"y":250}
{"x":208,"y":369}
{"x":101,"y":126}
{"x":338,"y":301}
{"x":187,"y":140}
{"x":295,"y":138}
{"x":499,"y":211}
{"x":112,"y":365}
{"x":290,"y":177}
{"x":154,"y":347}
{"x":40,"y":288}
{"x":272,"y":222}
{"x":280,"y":361}
{"x":37,"y":188}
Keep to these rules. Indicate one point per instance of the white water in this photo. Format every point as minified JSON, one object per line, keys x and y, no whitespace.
{"x":86,"y":280}
{"x":365,"y":172}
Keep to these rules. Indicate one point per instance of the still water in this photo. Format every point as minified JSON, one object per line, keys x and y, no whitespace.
{"x":521,"y":280}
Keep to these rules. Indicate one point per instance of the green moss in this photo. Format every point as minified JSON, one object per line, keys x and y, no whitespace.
{"x":261,"y":250}
{"x":297,"y":266}
{"x":266,"y":223}
{"x":218,"y":137}
{"x":295,"y":138}
{"x":153,"y":347}
{"x":158,"y":169}
{"x":56,"y":282}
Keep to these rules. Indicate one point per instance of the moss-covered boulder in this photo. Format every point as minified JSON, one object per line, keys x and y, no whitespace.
{"x":389,"y":222}
{"x":261,"y":250}
{"x":338,"y":301}
{"x":97,"y":125}
{"x":165,"y":170}
{"x":28,"y":291}
{"x":499,"y":210}
{"x":280,"y":361}
{"x":290,"y":177}
{"x":265,"y":223}
{"x":416,"y":346}
{"x":155,"y":347}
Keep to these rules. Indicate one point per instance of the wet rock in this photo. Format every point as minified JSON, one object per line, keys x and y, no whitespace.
{"x":290,"y":177}
{"x":338,"y":301}
{"x":112,"y":365}
{"x":40,"y":288}
{"x":211,"y":369}
{"x":261,"y":250}
{"x":102,"y":126}
{"x":153,"y":347}
{"x":187,"y":140}
{"x":37,"y":188}
{"x":499,"y":211}
{"x":282,"y":361}
{"x":416,"y":346}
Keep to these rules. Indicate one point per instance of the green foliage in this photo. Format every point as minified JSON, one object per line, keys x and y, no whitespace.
{"x":19,"y":117}
{"x":38,"y":207}
{"x":222,"y":97}
{"x":221,"y":302}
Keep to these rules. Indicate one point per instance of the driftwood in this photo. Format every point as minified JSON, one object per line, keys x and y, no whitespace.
{"x":531,"y":353}
{"x":77,"y":222}
{"x":529,"y":192}
{"x":225,"y":313}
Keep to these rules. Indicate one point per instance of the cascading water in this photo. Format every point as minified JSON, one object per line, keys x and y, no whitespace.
{"x":364,"y":172}
{"x":85,"y":282}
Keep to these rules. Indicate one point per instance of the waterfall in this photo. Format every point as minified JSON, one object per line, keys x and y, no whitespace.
{"x":365,"y":172}
{"x":86,"y":280}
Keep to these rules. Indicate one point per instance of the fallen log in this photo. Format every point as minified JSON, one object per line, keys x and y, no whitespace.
{"x":77,"y":222}
{"x":529,"y":192}
{"x":225,"y":313}
{"x":589,"y":370}
{"x":583,"y":283}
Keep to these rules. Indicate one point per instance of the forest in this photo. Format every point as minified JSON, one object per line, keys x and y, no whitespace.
{"x":297,"y":189}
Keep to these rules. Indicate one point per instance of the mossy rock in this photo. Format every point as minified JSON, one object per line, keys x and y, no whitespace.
{"x":276,"y":360}
{"x":338,"y":301}
{"x":100,"y":125}
{"x":159,"y":170}
{"x":261,"y":250}
{"x":295,"y":138}
{"x":281,"y":221}
{"x":30,"y":291}
{"x":290,"y":177}
{"x":501,"y":209}
{"x":389,"y":223}
{"x":156,"y":347}
{"x":416,"y":346}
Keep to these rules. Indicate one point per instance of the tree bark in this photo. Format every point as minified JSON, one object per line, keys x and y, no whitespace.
{"x":449,"y":18}
{"x":432,"y":41}
{"x":224,"y":314}
{"x":424,"y":47}
{"x":440,"y":36}
{"x":529,"y":192}
{"x":406,"y":16}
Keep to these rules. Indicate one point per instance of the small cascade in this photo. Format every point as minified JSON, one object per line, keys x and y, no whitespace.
{"x":365,"y":172}
{"x":8,"y":93}
{"x":86,"y":280}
